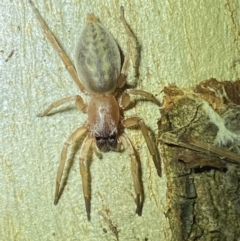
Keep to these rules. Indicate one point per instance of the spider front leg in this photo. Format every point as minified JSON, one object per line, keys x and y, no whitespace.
{"x":78,"y":100}
{"x":71,"y":139}
{"x":67,"y":62}
{"x":137,"y":121}
{"x":134,"y":170}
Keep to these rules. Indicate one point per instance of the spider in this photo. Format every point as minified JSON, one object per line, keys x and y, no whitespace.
{"x":98,"y":65}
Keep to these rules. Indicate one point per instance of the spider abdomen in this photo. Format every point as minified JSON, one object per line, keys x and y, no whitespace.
{"x":97,"y":59}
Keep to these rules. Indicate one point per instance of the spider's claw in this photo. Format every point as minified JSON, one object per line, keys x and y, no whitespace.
{"x":40,"y":115}
{"x":87,"y":205}
{"x":55,"y":201}
{"x":56,"y":198}
{"x":157,"y":164}
{"x":139,"y":205}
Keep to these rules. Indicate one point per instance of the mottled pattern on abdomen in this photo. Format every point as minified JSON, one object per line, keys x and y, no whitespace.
{"x":98,"y":60}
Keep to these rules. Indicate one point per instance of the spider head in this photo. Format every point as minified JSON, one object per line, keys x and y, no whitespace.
{"x":104,"y":121}
{"x":107,"y":142}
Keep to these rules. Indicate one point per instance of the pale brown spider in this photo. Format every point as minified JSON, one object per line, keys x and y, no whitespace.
{"x":98,"y":64}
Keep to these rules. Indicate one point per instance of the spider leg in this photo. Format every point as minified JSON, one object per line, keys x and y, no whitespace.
{"x":129,"y":33}
{"x":125,"y":99}
{"x":84,"y":172}
{"x":133,"y":121}
{"x":67,"y":62}
{"x":134,"y":170}
{"x":78,"y":100}
{"x":131,"y":50}
{"x":72,"y":138}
